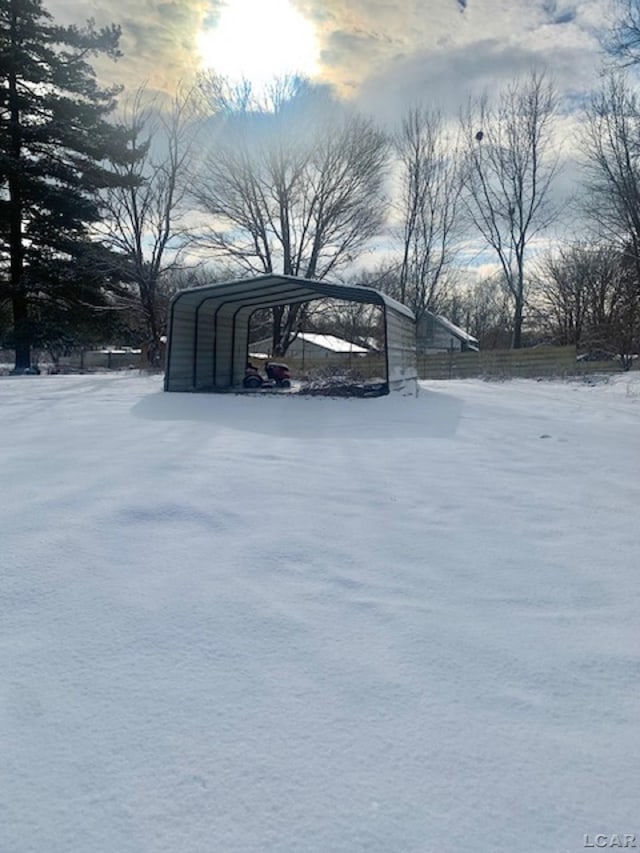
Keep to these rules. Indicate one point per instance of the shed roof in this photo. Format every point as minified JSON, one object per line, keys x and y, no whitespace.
{"x":456,"y":331}
{"x":331,"y":343}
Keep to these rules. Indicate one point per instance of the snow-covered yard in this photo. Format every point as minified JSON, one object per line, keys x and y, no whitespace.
{"x":250,"y":624}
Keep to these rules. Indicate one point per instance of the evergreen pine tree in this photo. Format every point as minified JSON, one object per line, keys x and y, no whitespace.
{"x":55,"y":141}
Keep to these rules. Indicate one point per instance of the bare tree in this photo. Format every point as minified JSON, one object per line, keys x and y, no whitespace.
{"x":360,"y":323}
{"x":574,"y":289}
{"x":612,"y":149}
{"x":430,"y":180}
{"x":587,"y":295}
{"x":611,"y":146}
{"x":356,"y":322}
{"x":483,"y":309}
{"x":144,"y":215}
{"x":510,"y":169}
{"x":625,"y":320}
{"x":290,"y":190}
{"x":623,"y":41}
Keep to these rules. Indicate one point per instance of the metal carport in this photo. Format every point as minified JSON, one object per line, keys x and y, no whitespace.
{"x":208,"y":333}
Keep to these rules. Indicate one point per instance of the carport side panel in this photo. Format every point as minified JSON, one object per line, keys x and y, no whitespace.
{"x":223,"y":335}
{"x":402,"y":369}
{"x":241,"y":342}
{"x":203,"y":348}
{"x":179,"y":369}
{"x":167,"y":361}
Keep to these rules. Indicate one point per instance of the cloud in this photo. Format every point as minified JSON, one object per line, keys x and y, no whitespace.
{"x":446,"y":79}
{"x":369,"y":43}
{"x":400,"y":50}
{"x":358,"y":37}
{"x":158,"y":36}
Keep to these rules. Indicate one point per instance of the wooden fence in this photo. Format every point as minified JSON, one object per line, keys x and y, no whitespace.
{"x":533,"y":362}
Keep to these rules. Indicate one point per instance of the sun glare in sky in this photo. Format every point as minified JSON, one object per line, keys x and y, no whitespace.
{"x":259,"y":40}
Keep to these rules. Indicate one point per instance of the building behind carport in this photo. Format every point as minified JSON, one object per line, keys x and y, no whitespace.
{"x":314,"y":346}
{"x":435,"y":334}
{"x":208,"y":330}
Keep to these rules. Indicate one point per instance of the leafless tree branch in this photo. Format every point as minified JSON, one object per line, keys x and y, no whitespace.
{"x":510,"y":169}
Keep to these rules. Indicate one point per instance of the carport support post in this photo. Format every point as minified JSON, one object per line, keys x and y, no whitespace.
{"x":386,"y":347}
{"x":194,"y":368}
{"x":234,"y":320}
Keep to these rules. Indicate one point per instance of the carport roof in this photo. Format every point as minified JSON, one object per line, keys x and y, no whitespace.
{"x":261,"y":291}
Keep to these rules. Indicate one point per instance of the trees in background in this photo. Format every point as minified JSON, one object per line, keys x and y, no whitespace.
{"x":625,"y":321}
{"x":483,"y":309}
{"x":430,"y":184}
{"x":55,"y":137}
{"x":357,"y":322}
{"x":574,"y":287}
{"x":587,"y":295}
{"x":509,"y":171}
{"x":143,"y":212}
{"x":623,"y":42}
{"x":93,"y":212}
{"x":609,"y":277}
{"x":611,"y":144}
{"x":296,"y":188}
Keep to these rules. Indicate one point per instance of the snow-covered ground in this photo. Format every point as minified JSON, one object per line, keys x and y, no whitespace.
{"x":235,"y":624}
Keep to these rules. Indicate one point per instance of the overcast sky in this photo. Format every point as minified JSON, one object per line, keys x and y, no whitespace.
{"x":382,"y":52}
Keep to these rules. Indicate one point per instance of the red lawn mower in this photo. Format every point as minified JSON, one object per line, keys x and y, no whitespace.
{"x":277,"y":376}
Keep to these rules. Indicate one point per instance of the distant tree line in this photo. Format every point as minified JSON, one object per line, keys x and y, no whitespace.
{"x":108,"y":208}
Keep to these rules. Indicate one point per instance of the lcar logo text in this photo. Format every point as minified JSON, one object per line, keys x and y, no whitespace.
{"x":615,"y":840}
